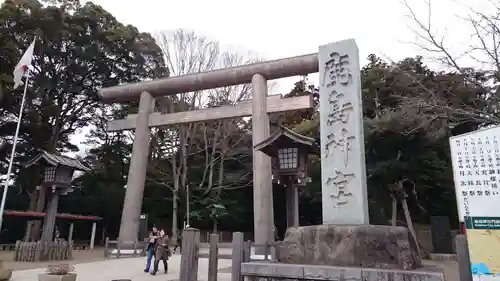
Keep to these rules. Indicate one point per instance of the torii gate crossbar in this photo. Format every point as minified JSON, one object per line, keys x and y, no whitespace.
{"x":257,"y":74}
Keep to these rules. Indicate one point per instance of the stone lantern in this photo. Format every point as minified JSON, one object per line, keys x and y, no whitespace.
{"x":289,"y":152}
{"x":58,"y":171}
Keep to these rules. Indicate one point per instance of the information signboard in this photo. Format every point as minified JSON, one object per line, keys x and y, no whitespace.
{"x":143,"y":227}
{"x":476,"y":170}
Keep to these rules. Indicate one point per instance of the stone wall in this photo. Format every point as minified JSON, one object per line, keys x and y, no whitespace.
{"x":261,"y":271}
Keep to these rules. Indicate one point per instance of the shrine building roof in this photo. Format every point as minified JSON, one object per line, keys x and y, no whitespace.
{"x":282,"y":137}
{"x":56,"y":160}
{"x":32,"y":214}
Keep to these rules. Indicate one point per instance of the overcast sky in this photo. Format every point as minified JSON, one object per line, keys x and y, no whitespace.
{"x":278,"y":29}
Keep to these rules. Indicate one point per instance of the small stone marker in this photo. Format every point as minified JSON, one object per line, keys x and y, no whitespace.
{"x":343,"y":168}
{"x":441,"y":235}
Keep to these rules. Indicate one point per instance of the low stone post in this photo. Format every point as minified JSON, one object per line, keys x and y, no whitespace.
{"x":238,"y":256}
{"x":189,"y":255}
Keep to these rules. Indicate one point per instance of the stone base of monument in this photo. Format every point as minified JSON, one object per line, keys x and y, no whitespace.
{"x":258,"y":271}
{"x":366,"y":246}
{"x":344,"y":252}
{"x":125,"y":250}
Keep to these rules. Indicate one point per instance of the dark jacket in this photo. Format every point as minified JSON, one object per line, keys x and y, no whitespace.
{"x":162,"y":249}
{"x":153,"y":238}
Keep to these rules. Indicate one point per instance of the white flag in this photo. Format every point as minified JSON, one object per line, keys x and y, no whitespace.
{"x":23,"y":64}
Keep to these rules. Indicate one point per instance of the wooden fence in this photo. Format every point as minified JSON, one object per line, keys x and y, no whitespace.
{"x":113,"y":248}
{"x":241,"y":252}
{"x":42,"y":251}
{"x":12,"y":247}
{"x":8,"y":247}
{"x":224,"y":236}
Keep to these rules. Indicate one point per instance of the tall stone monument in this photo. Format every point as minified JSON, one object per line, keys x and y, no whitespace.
{"x":343,"y":174}
{"x":345,"y":246}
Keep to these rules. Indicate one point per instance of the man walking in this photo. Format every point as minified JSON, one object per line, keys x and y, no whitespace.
{"x":153,"y":236}
{"x":162,"y":252}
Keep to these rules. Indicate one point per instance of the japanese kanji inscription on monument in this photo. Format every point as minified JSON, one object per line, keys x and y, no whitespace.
{"x":343,"y":172}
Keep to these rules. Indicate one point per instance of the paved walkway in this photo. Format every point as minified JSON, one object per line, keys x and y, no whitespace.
{"x":127,"y":268}
{"x":132,"y":268}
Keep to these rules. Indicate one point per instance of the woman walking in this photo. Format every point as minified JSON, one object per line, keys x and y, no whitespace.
{"x":162,"y":252}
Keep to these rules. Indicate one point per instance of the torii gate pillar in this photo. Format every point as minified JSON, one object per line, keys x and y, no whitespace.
{"x":132,"y":205}
{"x":263,"y":210}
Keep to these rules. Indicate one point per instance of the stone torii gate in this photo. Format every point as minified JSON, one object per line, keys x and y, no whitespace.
{"x":257,"y":74}
{"x":343,"y":178}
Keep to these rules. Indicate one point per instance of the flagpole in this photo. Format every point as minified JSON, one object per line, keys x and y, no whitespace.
{"x":9,"y":169}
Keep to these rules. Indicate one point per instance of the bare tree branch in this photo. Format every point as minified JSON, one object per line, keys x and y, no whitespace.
{"x":186,"y":52}
{"x":430,"y":42}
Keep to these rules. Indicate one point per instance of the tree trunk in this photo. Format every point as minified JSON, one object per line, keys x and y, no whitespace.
{"x":40,"y":207}
{"x":34,"y":229}
{"x":29,"y":224}
{"x":220,"y":180}
{"x":394,"y":211}
{"x":175,"y":207}
{"x":175,"y":195}
{"x":221,"y":173}
{"x":183,"y":155}
{"x":214,"y":221}
{"x":185,"y":129}
{"x":27,"y":233}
